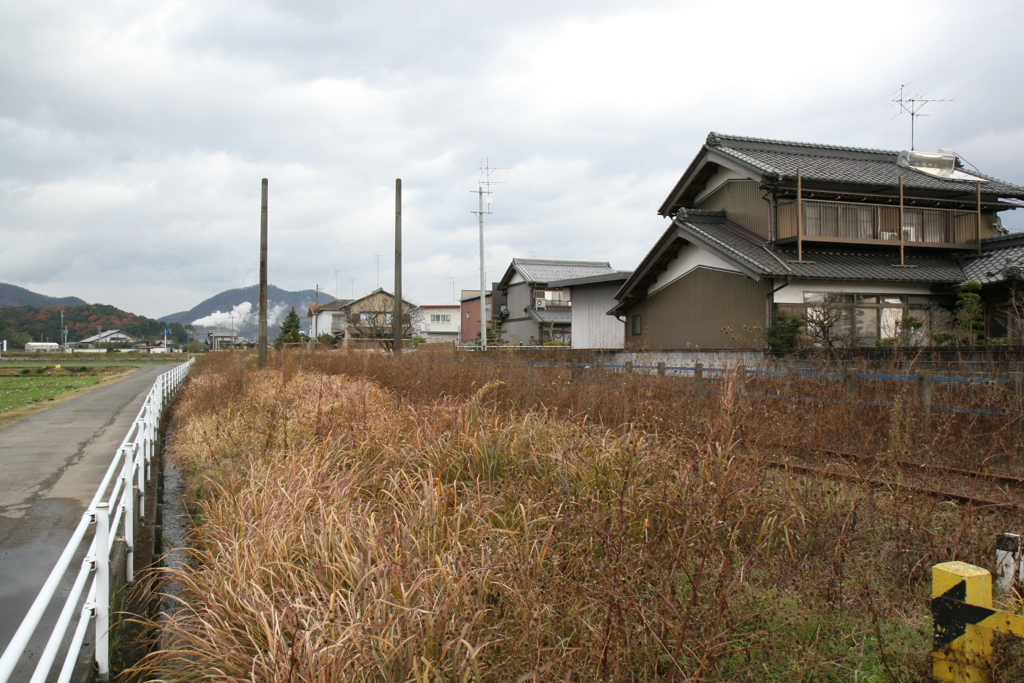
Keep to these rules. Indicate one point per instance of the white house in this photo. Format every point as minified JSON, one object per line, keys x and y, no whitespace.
{"x":106,"y":339}
{"x":438,"y":323}
{"x":328,"y":318}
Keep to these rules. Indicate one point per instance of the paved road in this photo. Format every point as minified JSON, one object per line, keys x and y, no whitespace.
{"x":50,"y":466}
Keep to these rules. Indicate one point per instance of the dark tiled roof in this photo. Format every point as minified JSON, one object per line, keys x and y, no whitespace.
{"x":847,"y":165}
{"x":535,"y":270}
{"x":557,"y":316}
{"x":544,"y":271}
{"x":752,"y":254}
{"x":1002,"y":258}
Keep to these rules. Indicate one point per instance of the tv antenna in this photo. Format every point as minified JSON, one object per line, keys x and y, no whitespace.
{"x":452,"y":281}
{"x":376,"y":257}
{"x":486,"y":170}
{"x":335,"y":283}
{"x":912,"y":105}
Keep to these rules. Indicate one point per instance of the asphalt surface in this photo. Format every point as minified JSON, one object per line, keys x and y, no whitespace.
{"x":50,"y":466}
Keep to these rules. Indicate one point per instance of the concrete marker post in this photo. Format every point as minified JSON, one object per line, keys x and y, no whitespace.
{"x":852,"y":380}
{"x":1009,"y":572}
{"x":925,"y":385}
{"x":661,"y":369}
{"x":793,"y":382}
{"x":698,"y":378}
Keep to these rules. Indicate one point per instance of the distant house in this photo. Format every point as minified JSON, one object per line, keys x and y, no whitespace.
{"x":437,"y":322}
{"x":469,"y":318}
{"x":759,"y":227}
{"x":329,"y":318}
{"x":218,"y":340}
{"x":537,"y":312}
{"x":42,"y":347}
{"x":592,"y":297}
{"x":370,"y":317}
{"x":108,"y":339}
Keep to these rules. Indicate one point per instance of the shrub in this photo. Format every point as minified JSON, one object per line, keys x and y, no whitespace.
{"x":786,"y":331}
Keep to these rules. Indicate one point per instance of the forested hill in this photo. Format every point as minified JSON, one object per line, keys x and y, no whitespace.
{"x":13,"y":295}
{"x":230,"y":299}
{"x":21,"y":324}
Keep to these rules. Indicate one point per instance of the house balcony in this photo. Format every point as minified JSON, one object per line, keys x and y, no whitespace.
{"x":851,"y":222}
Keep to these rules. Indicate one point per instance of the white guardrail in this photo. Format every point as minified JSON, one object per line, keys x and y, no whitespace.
{"x":117,"y":514}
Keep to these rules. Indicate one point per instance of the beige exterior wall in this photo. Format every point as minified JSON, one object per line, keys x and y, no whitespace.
{"x":692,"y":312}
{"x":743,"y":203}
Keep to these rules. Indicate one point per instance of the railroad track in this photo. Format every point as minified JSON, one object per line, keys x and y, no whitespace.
{"x":997,"y":491}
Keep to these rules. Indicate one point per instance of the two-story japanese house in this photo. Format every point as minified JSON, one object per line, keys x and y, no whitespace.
{"x":760,"y":226}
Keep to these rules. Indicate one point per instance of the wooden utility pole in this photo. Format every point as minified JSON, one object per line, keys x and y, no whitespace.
{"x":262,"y":344}
{"x":396,"y":316}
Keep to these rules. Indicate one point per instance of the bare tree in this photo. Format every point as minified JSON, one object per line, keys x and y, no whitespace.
{"x":829,"y":322}
{"x":371,"y":318}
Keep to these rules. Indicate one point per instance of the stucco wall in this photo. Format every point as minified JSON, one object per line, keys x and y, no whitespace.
{"x":693,"y":311}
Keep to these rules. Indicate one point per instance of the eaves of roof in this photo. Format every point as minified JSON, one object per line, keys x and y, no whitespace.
{"x":617,"y":276}
{"x":553,"y":316}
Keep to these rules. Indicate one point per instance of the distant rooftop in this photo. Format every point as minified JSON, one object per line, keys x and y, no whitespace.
{"x":544,"y":271}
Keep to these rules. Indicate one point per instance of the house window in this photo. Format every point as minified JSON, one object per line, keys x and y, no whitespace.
{"x":864,"y":317}
{"x":638,"y":326}
{"x":440,"y":318}
{"x":367,"y":318}
{"x":467,"y":315}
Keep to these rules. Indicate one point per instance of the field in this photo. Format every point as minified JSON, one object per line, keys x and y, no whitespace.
{"x":27,"y":387}
{"x":359,"y":518}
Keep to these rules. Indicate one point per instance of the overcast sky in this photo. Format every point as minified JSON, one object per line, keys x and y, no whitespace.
{"x":133,"y":135}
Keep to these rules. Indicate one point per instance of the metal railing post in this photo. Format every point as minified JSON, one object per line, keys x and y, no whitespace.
{"x":129,"y":521}
{"x":140,"y":473}
{"x":101,"y":541}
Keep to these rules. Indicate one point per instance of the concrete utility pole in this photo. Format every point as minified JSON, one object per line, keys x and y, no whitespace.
{"x":396,"y":316}
{"x":483,"y":283}
{"x":262,"y":344}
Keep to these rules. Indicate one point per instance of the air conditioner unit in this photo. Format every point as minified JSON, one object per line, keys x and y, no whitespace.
{"x":540,"y":303}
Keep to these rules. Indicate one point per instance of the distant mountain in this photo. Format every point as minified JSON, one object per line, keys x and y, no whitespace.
{"x":13,"y":295}
{"x":239,"y":308}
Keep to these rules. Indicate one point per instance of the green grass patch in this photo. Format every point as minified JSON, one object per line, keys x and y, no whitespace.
{"x":22,"y":388}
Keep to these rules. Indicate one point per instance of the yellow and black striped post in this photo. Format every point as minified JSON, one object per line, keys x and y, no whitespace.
{"x":964,"y":622}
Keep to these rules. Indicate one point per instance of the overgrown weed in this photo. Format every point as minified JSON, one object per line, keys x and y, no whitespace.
{"x":365,"y":519}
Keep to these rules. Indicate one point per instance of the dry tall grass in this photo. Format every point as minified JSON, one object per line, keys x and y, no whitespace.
{"x":457,"y":528}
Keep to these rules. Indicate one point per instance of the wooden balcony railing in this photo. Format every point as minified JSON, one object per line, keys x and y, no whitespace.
{"x":828,"y":221}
